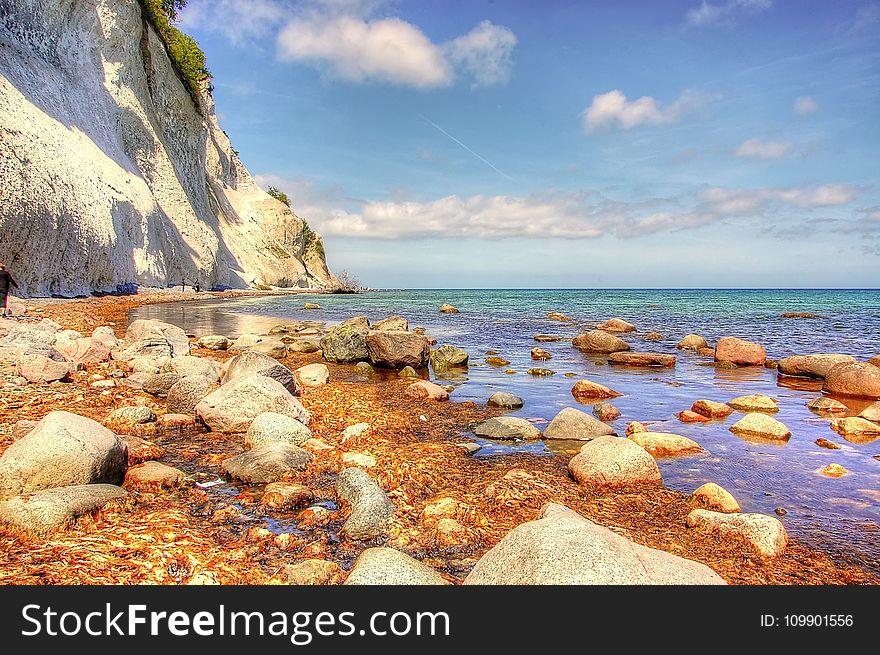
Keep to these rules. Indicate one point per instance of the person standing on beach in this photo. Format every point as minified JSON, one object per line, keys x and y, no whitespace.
{"x":6,"y":280}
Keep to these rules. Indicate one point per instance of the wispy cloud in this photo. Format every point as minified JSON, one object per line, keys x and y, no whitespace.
{"x":805,"y":105}
{"x":550,"y":214}
{"x":612,"y":110}
{"x":239,"y":22}
{"x":485,"y":53}
{"x":725,"y":13}
{"x":768,"y":150}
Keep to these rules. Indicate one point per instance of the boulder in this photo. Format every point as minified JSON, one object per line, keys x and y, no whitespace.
{"x":233,"y":406}
{"x":446,"y":308}
{"x":811,"y":366}
{"x":657,"y":360}
{"x":186,"y":393}
{"x":689,"y":416}
{"x":761,"y":426}
{"x":424,"y":390}
{"x":598,"y":341}
{"x":371,"y":510}
{"x":507,"y":427}
{"x":149,"y":365}
{"x":285,"y":496}
{"x":347,"y":342}
{"x":64,"y":449}
{"x":857,"y":379}
{"x":311,"y":572}
{"x":407,"y":372}
{"x":358,"y":322}
{"x":397,"y":349}
{"x":711,"y":409}
{"x":105,"y":335}
{"x":505,"y":400}
{"x":692,"y":342}
{"x":856,"y":429}
{"x":39,"y":369}
{"x":614,"y":464}
{"x":131,"y":415}
{"x":187,"y":365}
{"x":213,"y":342}
{"x":387,"y":566}
{"x":606,"y":411}
{"x":251,"y":362}
{"x":446,"y":357}
{"x":150,"y":347}
{"x":85,"y":350}
{"x":42,"y":512}
{"x":737,"y":351}
{"x":272,"y":347}
{"x":22,"y":427}
{"x":271,"y":427}
{"x":616,"y":325}
{"x":564,"y":548}
{"x":296,"y":345}
{"x":141,"y":330}
{"x":871,"y":412}
{"x":153,"y":475}
{"x":754,"y":403}
{"x":715,"y":498}
{"x":159,"y":384}
{"x":665,"y":444}
{"x":268,"y":463}
{"x":28,"y":339}
{"x":764,"y":535}
{"x":313,"y":375}
{"x":140,"y":450}
{"x":587,"y":390}
{"x":393,"y":323}
{"x":546,"y":338}
{"x":574,"y":424}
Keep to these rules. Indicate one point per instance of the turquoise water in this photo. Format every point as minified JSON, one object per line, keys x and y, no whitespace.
{"x":840,"y":515}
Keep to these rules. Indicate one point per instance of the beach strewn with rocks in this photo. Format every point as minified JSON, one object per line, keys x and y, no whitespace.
{"x":134,"y":452}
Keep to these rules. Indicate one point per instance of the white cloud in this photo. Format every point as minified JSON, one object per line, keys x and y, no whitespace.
{"x":805,"y":105}
{"x":361,"y":51}
{"x":341,"y":38}
{"x":485,"y":52}
{"x":726,"y":13}
{"x":612,"y":110}
{"x":754,"y":149}
{"x":240,"y":22}
{"x":552,"y":214}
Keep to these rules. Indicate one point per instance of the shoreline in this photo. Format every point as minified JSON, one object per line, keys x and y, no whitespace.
{"x":417,"y":463}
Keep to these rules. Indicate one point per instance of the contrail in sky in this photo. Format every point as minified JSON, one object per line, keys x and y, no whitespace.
{"x":477,"y":155}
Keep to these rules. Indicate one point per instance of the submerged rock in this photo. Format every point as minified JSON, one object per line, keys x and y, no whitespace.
{"x":557,"y":316}
{"x":446,"y":357}
{"x":541,"y":372}
{"x":854,"y":428}
{"x":446,"y":308}
{"x":539,"y":354}
{"x":827,"y":406}
{"x":658,"y":360}
{"x":387,"y":566}
{"x":613,"y":463}
{"x":754,"y":403}
{"x":689,"y":416}
{"x":545,"y":338}
{"x":833,"y":471}
{"x":600,"y":342}
{"x":507,"y":427}
{"x":616,"y":325}
{"x":606,"y":411}
{"x":565,"y":548}
{"x":42,"y":512}
{"x":285,"y":496}
{"x":371,"y":510}
{"x":634,"y":427}
{"x":764,"y":535}
{"x":497,"y":361}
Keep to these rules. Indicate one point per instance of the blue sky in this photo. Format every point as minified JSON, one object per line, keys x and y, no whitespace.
{"x":716,"y":143}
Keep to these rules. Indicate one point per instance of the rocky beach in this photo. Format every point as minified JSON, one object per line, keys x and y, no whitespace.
{"x":133,"y":452}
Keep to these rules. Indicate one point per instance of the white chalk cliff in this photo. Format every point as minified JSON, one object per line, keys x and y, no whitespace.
{"x":112,"y":173}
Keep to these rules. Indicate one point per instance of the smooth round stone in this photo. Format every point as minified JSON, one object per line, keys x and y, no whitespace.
{"x":505,"y":400}
{"x":507,"y":427}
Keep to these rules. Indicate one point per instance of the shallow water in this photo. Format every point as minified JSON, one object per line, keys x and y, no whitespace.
{"x":838,"y":514}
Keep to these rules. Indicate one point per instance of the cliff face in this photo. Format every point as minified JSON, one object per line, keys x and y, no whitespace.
{"x":111,"y":173}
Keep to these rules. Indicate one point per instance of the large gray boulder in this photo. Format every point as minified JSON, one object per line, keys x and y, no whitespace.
{"x":598,"y":341}
{"x":811,"y":366}
{"x":26,"y":339}
{"x":186,"y":393}
{"x":572,"y":423}
{"x":233,"y":406}
{"x":140,"y":330}
{"x":252,"y":361}
{"x":159,"y":384}
{"x":345,"y":343}
{"x":64,"y":449}
{"x":613,"y":463}
{"x":396,"y":349}
{"x":267,"y":463}
{"x":36,"y":369}
{"x":272,"y":427}
{"x":371,"y":510}
{"x":84,"y":350}
{"x":387,"y":566}
{"x":446,"y":357}
{"x":564,"y":548}
{"x":45,"y":511}
{"x":187,"y":365}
